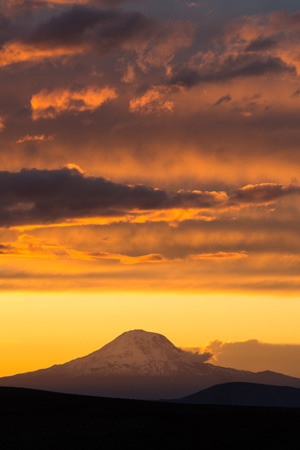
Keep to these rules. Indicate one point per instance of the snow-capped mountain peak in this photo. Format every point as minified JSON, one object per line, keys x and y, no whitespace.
{"x":136,"y":352}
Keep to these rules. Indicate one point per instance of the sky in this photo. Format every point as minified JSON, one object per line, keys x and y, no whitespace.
{"x":149,"y":175}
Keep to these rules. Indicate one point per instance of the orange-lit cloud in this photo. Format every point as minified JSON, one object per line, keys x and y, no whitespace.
{"x":50,"y":104}
{"x":153,"y":100}
{"x":219,"y":255}
{"x":171,"y":216}
{"x":276,"y":33}
{"x":17,"y":52}
{"x":37,"y":138}
{"x":31,"y":247}
{"x":2,"y":125}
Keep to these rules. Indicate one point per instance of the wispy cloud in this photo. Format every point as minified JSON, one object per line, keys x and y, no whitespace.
{"x":50,"y":104}
{"x":220,"y":255}
{"x":153,"y":100}
{"x":36,"y":138}
{"x":32,"y":247}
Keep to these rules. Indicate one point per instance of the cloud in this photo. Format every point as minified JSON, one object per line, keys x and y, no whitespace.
{"x":32,"y":247}
{"x":153,"y":100}
{"x":225,"y":98}
{"x":231,"y":67}
{"x":195,"y":357}
{"x":24,"y":7}
{"x":261,"y":44}
{"x":35,"y":196}
{"x":35,"y":3}
{"x":2,"y":124}
{"x":82,"y":29}
{"x":74,"y":31}
{"x":256,"y":356}
{"x":125,"y":259}
{"x":79,"y":2}
{"x":50,"y":104}
{"x":172,"y":216}
{"x":262,"y":193}
{"x":47,"y":196}
{"x":36,"y":138}
{"x":16,"y":52}
{"x":250,"y":46}
{"x":193,"y":5}
{"x":219,"y":255}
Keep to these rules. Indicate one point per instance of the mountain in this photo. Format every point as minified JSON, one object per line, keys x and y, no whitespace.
{"x":246,"y":394}
{"x":139,"y":365}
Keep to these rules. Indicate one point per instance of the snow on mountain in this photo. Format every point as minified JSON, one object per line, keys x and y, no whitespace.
{"x":136,"y":352}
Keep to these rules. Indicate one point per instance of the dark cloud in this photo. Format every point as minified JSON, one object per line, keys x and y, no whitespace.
{"x":261,"y":44}
{"x":30,"y":5}
{"x":261,"y":193}
{"x":46,"y":196}
{"x":34,"y":196}
{"x":7,"y":28}
{"x":196,"y":199}
{"x":225,"y":98}
{"x":101,"y":28}
{"x":241,"y":66}
{"x":82,"y":31}
{"x":296,"y":93}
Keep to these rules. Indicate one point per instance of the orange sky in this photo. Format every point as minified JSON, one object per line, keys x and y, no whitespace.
{"x":149,"y":173}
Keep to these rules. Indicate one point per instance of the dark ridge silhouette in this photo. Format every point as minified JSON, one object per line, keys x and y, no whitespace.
{"x":246,"y":394}
{"x":31,"y":419}
{"x":140,"y":365}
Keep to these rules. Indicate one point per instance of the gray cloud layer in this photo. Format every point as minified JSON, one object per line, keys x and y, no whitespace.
{"x":46,"y":196}
{"x":243,"y":65}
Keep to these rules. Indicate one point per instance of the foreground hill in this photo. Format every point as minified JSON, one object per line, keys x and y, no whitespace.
{"x":246,"y":394}
{"x":44,"y":420}
{"x":139,"y":365}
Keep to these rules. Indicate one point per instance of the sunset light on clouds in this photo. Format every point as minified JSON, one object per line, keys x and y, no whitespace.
{"x":149,"y":177}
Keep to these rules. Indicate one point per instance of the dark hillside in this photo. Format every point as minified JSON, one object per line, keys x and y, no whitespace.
{"x":246,"y":394}
{"x":43,"y":420}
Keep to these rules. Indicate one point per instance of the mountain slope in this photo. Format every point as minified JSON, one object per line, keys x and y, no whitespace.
{"x":246,"y":394}
{"x":141,"y":365}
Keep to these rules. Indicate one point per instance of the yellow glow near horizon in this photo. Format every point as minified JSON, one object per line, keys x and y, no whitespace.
{"x":38,"y":330}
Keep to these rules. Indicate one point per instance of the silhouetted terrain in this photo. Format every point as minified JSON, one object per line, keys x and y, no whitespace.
{"x":246,"y":394}
{"x":140,"y":365}
{"x":42,"y":420}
